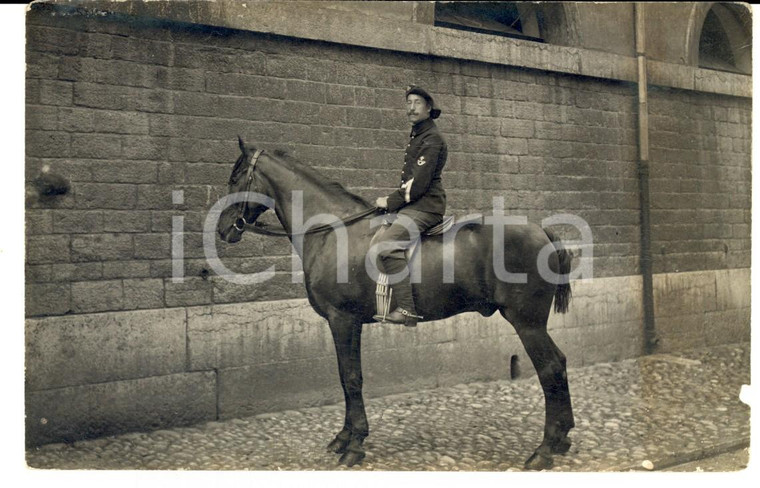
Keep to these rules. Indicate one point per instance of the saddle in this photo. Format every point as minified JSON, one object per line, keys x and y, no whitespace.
{"x":439,"y":229}
{"x":383,"y":291}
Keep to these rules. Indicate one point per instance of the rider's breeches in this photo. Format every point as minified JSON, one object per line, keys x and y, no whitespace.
{"x":396,"y":238}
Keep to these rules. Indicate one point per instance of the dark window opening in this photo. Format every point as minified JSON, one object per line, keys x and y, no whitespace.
{"x":725,"y":43}
{"x":508,"y":19}
{"x":714,"y":49}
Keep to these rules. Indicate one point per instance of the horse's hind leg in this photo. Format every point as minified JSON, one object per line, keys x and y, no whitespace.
{"x":347,"y":337}
{"x":551,"y":366}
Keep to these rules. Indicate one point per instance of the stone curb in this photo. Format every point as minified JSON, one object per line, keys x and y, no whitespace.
{"x":684,"y":457}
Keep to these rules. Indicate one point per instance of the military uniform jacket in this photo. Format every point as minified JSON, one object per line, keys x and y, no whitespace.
{"x":421,"y":187}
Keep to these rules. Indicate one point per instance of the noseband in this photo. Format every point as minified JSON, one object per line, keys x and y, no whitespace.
{"x":240,"y":222}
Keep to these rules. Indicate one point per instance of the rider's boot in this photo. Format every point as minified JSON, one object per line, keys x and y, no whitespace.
{"x":405,"y":312}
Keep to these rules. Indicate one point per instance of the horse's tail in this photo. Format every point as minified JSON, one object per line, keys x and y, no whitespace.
{"x":563,"y":294}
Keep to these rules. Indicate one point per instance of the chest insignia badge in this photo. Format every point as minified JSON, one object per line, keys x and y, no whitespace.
{"x":421,"y":161}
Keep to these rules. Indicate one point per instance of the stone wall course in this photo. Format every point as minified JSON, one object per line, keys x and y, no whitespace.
{"x":133,"y":112}
{"x":55,"y":415}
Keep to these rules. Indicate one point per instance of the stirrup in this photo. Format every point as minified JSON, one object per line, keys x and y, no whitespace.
{"x":383,"y":295}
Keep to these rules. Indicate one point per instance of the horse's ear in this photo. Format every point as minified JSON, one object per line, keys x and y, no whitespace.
{"x":242,"y":145}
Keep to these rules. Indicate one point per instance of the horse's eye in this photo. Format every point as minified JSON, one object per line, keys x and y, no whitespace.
{"x":235,"y":177}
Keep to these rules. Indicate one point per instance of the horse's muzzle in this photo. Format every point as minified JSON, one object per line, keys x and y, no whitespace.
{"x":232,"y":235}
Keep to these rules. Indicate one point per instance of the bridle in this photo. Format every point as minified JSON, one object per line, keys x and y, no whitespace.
{"x":258,"y":228}
{"x":240,"y":222}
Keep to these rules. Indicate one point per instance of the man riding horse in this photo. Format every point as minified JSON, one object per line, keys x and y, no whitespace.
{"x":481,"y":254}
{"x":420,"y":197}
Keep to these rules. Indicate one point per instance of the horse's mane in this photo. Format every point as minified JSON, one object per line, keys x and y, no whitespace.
{"x":317,"y":178}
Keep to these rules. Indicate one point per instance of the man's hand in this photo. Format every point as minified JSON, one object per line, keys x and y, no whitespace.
{"x":381,"y":202}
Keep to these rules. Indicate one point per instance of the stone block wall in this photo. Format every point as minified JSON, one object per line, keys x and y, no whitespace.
{"x":700,"y":181}
{"x":130,"y":112}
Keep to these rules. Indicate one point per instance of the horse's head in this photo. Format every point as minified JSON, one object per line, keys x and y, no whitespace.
{"x":241,"y":211}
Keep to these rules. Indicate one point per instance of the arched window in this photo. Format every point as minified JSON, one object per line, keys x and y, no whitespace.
{"x":509,"y":19}
{"x":725,"y":42}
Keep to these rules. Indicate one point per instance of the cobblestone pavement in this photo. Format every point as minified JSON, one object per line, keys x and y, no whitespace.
{"x":648,"y":413}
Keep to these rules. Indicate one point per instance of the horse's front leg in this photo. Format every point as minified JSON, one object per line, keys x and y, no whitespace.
{"x":347,"y":333}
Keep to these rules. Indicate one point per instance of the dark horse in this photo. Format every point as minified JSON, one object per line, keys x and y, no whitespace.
{"x":348,"y":305}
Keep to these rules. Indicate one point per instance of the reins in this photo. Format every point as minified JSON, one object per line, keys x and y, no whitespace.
{"x":258,"y":228}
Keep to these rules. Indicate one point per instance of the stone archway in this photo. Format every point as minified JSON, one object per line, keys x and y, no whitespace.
{"x":558,"y":23}
{"x":719,"y":36}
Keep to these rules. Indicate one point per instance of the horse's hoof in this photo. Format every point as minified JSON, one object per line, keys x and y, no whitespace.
{"x":561,"y":447}
{"x":351,"y":458}
{"x":338,"y":446}
{"x":539,"y":461}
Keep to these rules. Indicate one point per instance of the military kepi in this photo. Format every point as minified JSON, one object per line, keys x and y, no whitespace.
{"x":435,"y":112}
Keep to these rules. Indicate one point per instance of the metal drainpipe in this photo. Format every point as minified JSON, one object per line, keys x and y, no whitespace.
{"x":650,"y":337}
